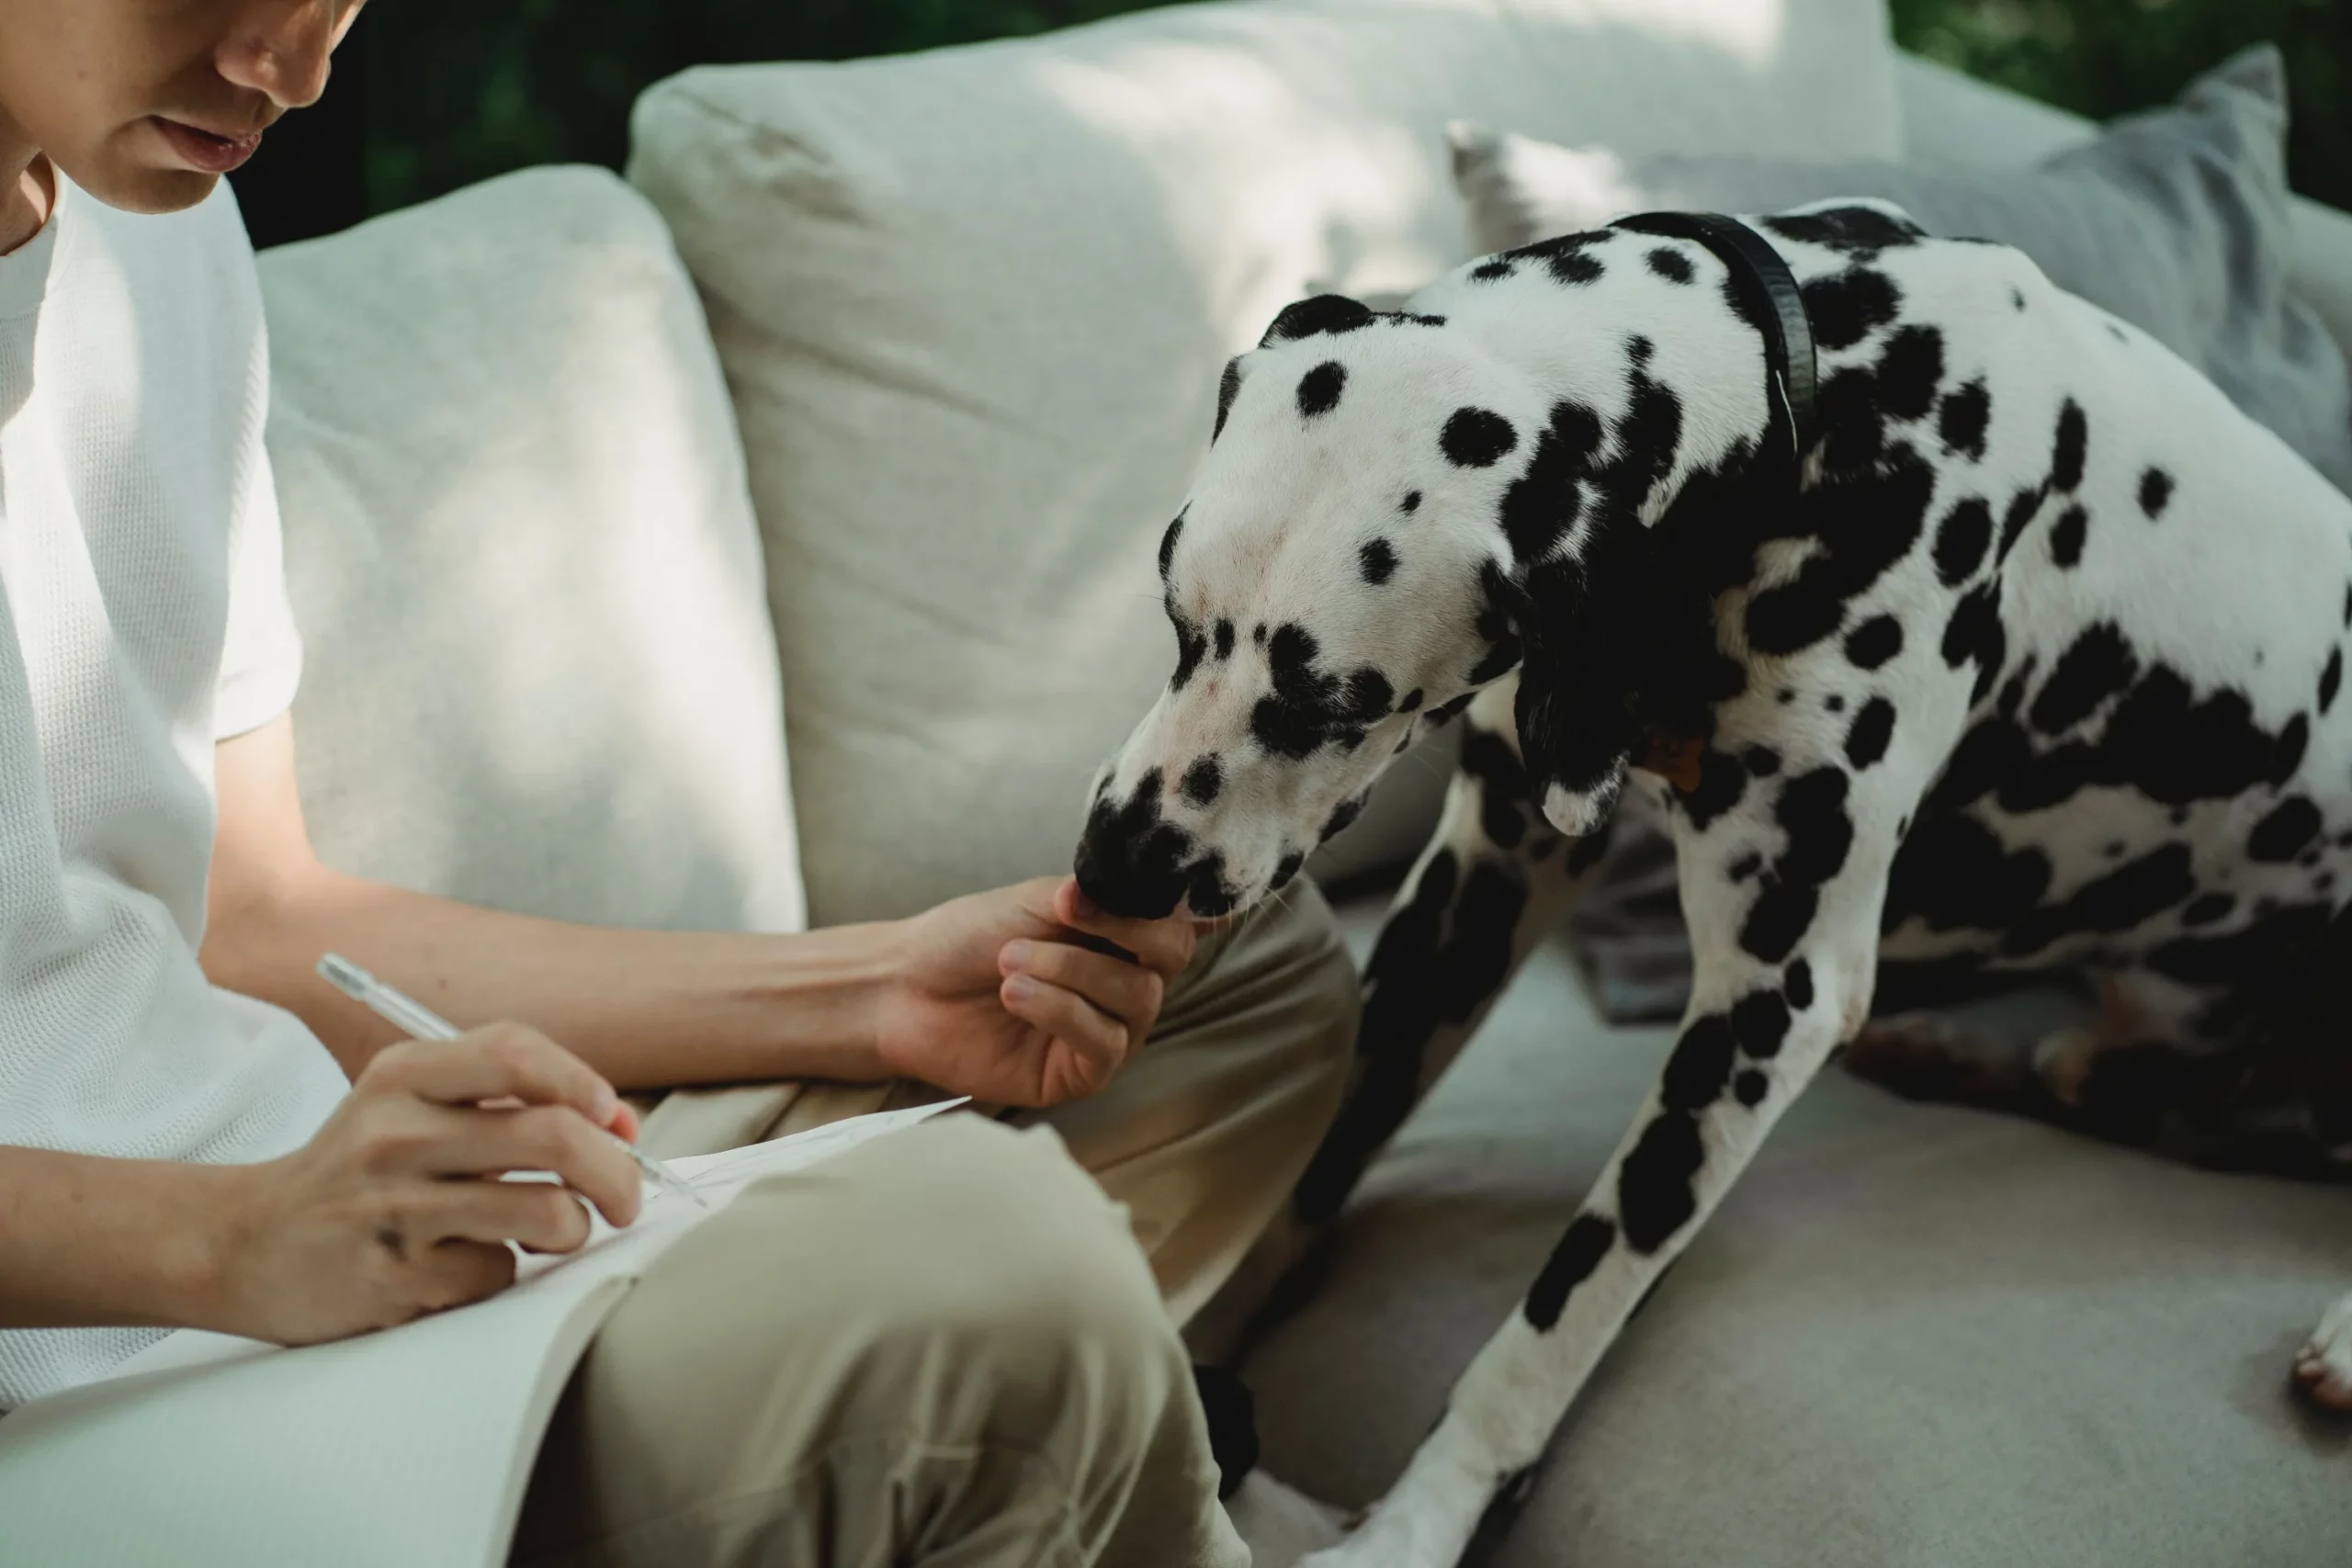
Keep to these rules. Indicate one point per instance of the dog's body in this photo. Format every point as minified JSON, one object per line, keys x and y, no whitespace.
{"x":2029,"y":663}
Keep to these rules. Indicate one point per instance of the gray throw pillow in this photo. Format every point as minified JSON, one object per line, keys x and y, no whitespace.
{"x":2174,"y":220}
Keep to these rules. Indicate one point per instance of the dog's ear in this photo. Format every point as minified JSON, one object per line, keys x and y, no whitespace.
{"x":1577,"y":729}
{"x":1310,"y":318}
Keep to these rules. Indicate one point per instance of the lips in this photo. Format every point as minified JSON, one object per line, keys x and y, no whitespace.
{"x":204,"y":151}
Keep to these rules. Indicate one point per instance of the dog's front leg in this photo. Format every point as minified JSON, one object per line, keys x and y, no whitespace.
{"x":1782,"y":895}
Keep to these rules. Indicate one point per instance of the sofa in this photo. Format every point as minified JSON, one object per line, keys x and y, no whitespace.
{"x":765,"y":539}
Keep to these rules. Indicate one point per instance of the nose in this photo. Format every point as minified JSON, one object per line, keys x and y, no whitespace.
{"x":1131,"y":859}
{"x":288,"y":57}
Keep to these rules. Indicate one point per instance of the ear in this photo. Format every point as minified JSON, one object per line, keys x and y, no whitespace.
{"x":1577,"y":729}
{"x":1310,"y":318}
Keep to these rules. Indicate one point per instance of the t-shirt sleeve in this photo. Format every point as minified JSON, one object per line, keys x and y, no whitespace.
{"x":261,"y":660}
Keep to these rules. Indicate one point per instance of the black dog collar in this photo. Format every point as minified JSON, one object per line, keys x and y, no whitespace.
{"x":1759,"y":272}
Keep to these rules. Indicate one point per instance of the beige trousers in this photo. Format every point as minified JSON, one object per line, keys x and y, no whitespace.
{"x":945,"y":1348}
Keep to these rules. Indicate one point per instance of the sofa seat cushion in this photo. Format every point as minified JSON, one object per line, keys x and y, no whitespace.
{"x":541,"y":674}
{"x":1914,"y":1337}
{"x":973,"y":305}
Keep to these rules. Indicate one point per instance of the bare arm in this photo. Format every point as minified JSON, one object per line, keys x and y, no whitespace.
{"x":984,"y":996}
{"x":105,"y":1243}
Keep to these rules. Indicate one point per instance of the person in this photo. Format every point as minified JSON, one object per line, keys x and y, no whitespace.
{"x":946,"y":1346}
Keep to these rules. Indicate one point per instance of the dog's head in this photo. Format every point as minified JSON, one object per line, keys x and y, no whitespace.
{"x":1392,"y":516}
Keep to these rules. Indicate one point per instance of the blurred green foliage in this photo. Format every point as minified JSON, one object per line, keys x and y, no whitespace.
{"x":460,"y":89}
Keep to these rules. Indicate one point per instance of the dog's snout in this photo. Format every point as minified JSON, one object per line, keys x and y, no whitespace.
{"x":1132,"y":860}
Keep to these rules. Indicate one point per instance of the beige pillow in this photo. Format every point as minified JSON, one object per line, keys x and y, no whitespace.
{"x":540,"y":672}
{"x":973,"y":305}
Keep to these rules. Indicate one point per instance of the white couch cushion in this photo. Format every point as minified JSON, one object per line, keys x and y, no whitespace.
{"x":973,"y":305}
{"x":540,"y":673}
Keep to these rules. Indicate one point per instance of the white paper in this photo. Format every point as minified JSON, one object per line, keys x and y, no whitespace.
{"x":408,"y":1448}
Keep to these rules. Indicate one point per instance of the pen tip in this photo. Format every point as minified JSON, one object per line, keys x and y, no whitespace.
{"x":337,"y":970}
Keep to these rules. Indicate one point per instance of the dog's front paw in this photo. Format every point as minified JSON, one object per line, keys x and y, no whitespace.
{"x":1408,"y":1530}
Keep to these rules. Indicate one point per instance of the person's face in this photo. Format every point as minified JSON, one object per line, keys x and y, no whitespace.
{"x":145,"y":104}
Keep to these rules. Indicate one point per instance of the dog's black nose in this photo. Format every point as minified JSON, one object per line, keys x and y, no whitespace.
{"x":1131,"y":859}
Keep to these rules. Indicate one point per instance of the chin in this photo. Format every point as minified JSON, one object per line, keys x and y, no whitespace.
{"x":118,"y":176}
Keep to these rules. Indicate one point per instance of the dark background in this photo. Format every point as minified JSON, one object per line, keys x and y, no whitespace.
{"x":430,"y":95}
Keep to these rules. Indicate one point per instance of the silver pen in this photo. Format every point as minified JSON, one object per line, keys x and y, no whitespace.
{"x":422,"y":1022}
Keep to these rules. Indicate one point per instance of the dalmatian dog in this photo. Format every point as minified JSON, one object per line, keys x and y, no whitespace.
{"x":1959,"y":629}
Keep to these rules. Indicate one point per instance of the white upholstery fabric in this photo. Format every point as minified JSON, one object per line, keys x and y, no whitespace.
{"x":541,"y":672}
{"x":973,"y":305}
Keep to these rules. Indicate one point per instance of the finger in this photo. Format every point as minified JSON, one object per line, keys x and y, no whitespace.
{"x":1099,"y":1040}
{"x":1128,"y":992}
{"x":454,"y":1273}
{"x":1164,"y":945}
{"x":503,"y":1060}
{"x":539,"y":1216}
{"x":540,"y":1137}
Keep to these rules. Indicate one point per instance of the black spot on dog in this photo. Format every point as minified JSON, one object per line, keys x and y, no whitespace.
{"x":2016,"y":299}
{"x":1954,"y":874}
{"x":2212,"y":909}
{"x":1308,"y":708}
{"x":1761,"y":760}
{"x":2099,"y":664}
{"x":1318,"y":389}
{"x":1653,"y":1193}
{"x":2131,"y":895}
{"x":1858,"y":231}
{"x":1227,"y":385}
{"x":1811,"y":814}
{"x":1796,"y":984}
{"x":1699,"y":1069}
{"x":1285,"y":870}
{"x":1223,"y":639}
{"x":1760,"y":1022}
{"x":1191,"y":647}
{"x":1343,"y":814}
{"x":2066,"y":535}
{"x":1476,"y":438}
{"x":1168,"y":543}
{"x":1865,"y":524}
{"x":1745,"y":866}
{"x":1751,"y":1087}
{"x":1409,"y":701}
{"x":1722,"y":782}
{"x":1961,"y":420}
{"x":2023,"y":508}
{"x":1446,"y":711}
{"x":1669,"y":264}
{"x":1492,"y":271}
{"x":1846,"y":307}
{"x":1325,"y":314}
{"x":1544,"y":501}
{"x":1504,"y":792}
{"x":2281,"y":835}
{"x":1875,"y":642}
{"x":1203,"y":780}
{"x":1975,"y":633}
{"x":1638,"y":349}
{"x":1412,"y":502}
{"x":1378,"y":560}
{"x":1565,"y":258}
{"x":1833,"y":703}
{"x":2330,"y":679}
{"x":2156,"y":493}
{"x":1910,"y":371}
{"x":1962,"y":540}
{"x":1579,"y":1252}
{"x":2069,"y":448}
{"x":1867,"y":738}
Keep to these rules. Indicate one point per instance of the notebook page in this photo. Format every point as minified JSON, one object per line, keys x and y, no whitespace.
{"x":405,"y":1448}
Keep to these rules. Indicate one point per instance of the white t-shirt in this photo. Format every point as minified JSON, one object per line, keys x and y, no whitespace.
{"x":142,"y":617}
